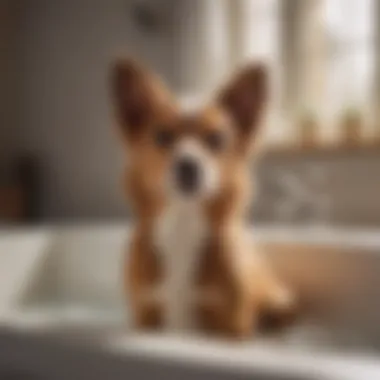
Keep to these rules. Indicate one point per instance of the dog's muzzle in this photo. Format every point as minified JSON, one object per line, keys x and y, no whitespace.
{"x":187,"y":175}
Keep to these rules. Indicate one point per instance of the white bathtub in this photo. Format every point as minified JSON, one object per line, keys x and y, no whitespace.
{"x":66,"y":283}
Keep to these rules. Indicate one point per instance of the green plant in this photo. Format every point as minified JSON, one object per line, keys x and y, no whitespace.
{"x":308,"y":125}
{"x":308,"y":121}
{"x":351,"y":115}
{"x":308,"y":116}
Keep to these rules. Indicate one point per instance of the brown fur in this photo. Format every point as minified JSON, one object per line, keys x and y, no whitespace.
{"x":142,"y":105}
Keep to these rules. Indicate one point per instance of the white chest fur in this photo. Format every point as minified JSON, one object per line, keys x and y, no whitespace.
{"x":180,"y":234}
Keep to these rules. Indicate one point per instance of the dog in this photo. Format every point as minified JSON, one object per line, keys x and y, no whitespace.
{"x":191,"y":265}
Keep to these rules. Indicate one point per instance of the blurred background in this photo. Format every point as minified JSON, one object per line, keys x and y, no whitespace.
{"x":61,"y":163}
{"x":60,"y":160}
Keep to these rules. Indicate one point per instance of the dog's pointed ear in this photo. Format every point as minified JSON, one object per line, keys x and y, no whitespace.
{"x":138,"y":97}
{"x":244,"y":98}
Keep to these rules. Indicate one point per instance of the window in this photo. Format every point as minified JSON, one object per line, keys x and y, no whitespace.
{"x":261,"y":20}
{"x":350,"y":55}
{"x":329,"y":64}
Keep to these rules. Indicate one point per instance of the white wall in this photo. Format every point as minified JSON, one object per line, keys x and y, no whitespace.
{"x":66,"y":47}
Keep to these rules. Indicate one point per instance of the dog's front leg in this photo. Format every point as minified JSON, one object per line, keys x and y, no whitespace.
{"x":241,"y":312}
{"x":232,"y":306}
{"x":142,"y":274}
{"x":226,"y":311}
{"x":279,"y":304}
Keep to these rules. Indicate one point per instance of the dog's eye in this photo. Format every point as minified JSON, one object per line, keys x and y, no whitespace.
{"x":164,"y":138}
{"x":215,"y":141}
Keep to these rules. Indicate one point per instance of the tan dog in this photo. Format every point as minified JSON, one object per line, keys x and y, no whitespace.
{"x":191,"y":263}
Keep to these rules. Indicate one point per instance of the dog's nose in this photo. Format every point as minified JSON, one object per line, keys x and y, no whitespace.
{"x":187,"y":175}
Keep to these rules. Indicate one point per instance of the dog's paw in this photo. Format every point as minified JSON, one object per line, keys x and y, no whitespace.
{"x":283,"y":299}
{"x":280,"y":311}
{"x":153,"y":296}
{"x":208,"y":297}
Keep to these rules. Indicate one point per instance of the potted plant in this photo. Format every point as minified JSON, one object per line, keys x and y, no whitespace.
{"x":308,"y":129}
{"x":351,"y":123}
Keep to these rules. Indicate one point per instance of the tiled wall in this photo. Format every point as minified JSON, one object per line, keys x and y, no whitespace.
{"x":338,"y":188}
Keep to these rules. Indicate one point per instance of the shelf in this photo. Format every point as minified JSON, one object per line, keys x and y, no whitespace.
{"x":289,"y":151}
